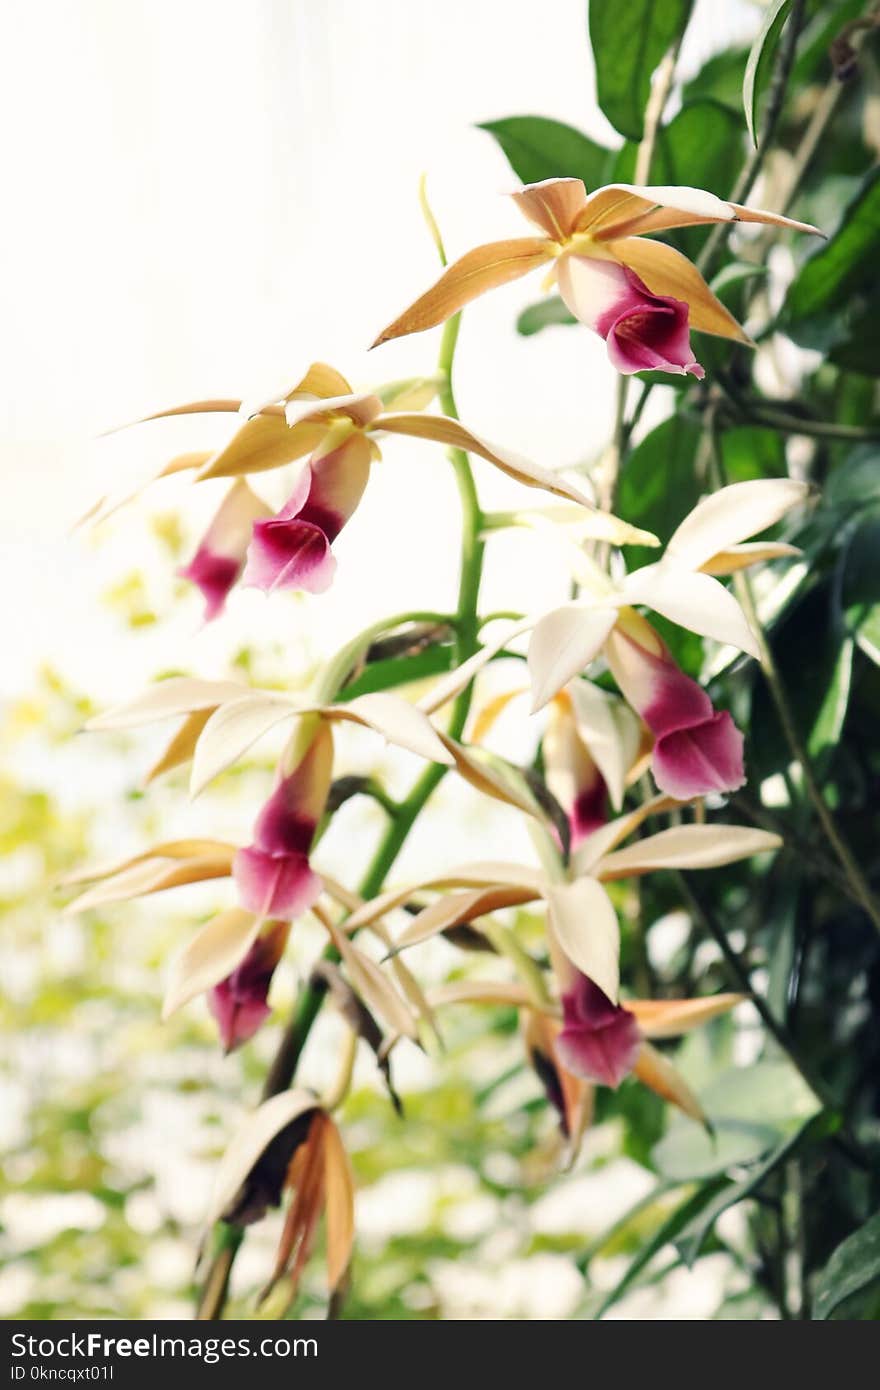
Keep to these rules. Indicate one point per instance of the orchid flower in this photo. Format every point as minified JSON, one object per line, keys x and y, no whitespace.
{"x":337,"y":429}
{"x":239,"y":1002}
{"x":273,"y":875}
{"x":697,"y":751}
{"x":290,"y":1145}
{"x":600,"y":1043}
{"x":641,"y":296}
{"x":219,"y":560}
{"x":590,"y":745}
{"x":582,"y":922}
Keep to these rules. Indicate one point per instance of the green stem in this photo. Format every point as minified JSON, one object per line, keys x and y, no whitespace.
{"x":308,"y":1007}
{"x":755,"y":163}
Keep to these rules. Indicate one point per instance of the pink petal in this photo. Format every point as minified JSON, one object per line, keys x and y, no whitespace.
{"x":215,"y":575}
{"x":642,"y":330}
{"x":275,"y":885}
{"x":589,"y":811}
{"x":599,"y":1040}
{"x":703,"y":758}
{"x":289,"y":554}
{"x":239,"y":1003}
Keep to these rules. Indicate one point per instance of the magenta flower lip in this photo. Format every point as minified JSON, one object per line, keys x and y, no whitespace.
{"x":292,"y":550}
{"x":240,"y":1002}
{"x":215,"y":575}
{"x":599,"y":1041}
{"x":645,"y":332}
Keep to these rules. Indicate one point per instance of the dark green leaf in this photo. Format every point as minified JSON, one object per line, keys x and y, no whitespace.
{"x":721,"y":78}
{"x":628,"y":41}
{"x":854,"y":1265}
{"x":691,"y":1240}
{"x":701,"y":146}
{"x":846,"y":265}
{"x":860,"y":583}
{"x":760,"y":61}
{"x":664,"y":1235}
{"x":401,"y":670}
{"x":658,"y":486}
{"x":538,"y":148}
{"x":545,"y":314}
{"x":813,"y":654}
{"x":752,"y":1110}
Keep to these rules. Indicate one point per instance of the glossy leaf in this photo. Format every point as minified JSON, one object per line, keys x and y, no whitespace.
{"x":629,"y":41}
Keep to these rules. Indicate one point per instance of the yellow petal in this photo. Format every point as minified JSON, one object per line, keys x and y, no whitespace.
{"x":480,"y":992}
{"x":154,"y":875}
{"x":655,"y":1071}
{"x":740,"y":557}
{"x":265,"y":441}
{"x":613,"y":208}
{"x":182,"y":746}
{"x":552,"y":205}
{"x":488,"y":716}
{"x":666,"y":271}
{"x":668,"y":1018}
{"x":458,"y":908}
{"x":457,"y":436}
{"x":482,"y":269}
{"x":212,"y":954}
{"x":339,"y":1204}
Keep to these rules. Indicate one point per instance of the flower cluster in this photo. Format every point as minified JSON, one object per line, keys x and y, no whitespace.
{"x":611,"y":707}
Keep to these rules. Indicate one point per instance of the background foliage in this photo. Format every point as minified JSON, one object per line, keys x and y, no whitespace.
{"x":778,"y":1213}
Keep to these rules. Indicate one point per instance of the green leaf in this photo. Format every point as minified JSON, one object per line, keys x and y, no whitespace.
{"x":701,"y":146}
{"x":854,"y":1265}
{"x":538,"y":148}
{"x":750,"y":452}
{"x":397,"y":671}
{"x":658,"y":486}
{"x":752,"y":1109}
{"x":813,"y":654}
{"x":860,"y":582}
{"x":691,"y":1240}
{"x":545,"y":314}
{"x":628,"y":41}
{"x":759,"y":61}
{"x":664,"y":1235}
{"x":844,"y":267}
{"x":721,"y":77}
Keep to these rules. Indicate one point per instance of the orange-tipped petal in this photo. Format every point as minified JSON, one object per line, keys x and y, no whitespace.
{"x":482,"y":269}
{"x":668,"y":1018}
{"x":264,"y":441}
{"x":610,"y":211}
{"x":553,"y":205}
{"x":657,"y":1072}
{"x":667,"y":272}
{"x":454,"y":434}
{"x":773,"y":219}
{"x":339,"y":1204}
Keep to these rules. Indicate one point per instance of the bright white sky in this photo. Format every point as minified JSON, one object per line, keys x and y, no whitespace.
{"x":206,"y":194}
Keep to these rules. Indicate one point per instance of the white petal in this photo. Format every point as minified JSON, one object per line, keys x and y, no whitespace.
{"x":585,"y":925}
{"x":397,"y":721}
{"x":731,"y":515}
{"x":231,"y":731}
{"x":563,"y":643}
{"x":687,"y":847}
{"x":251,"y":1140}
{"x":693,"y":600}
{"x":610,"y":730}
{"x":179,"y":695}
{"x":452,"y":684}
{"x":212,"y":954}
{"x":590,"y":287}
